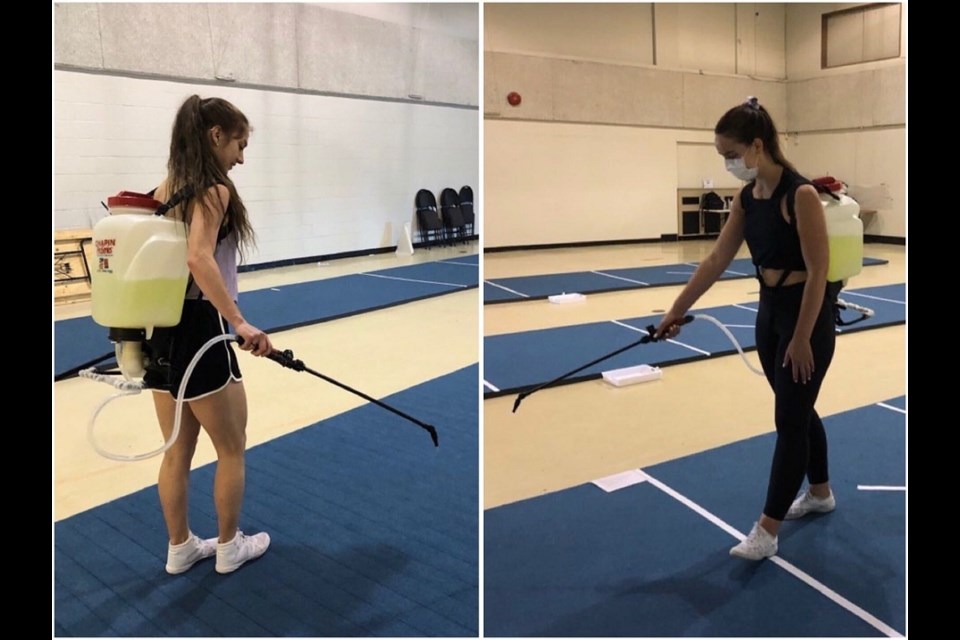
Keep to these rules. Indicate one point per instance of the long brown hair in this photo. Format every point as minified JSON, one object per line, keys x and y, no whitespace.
{"x":193,"y":164}
{"x":749,"y":121}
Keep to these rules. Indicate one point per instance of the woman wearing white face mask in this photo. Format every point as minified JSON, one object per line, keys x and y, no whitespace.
{"x":780,"y":216}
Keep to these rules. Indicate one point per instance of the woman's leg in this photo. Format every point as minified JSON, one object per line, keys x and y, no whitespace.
{"x":761,"y":542}
{"x":223,"y":415}
{"x":801,"y":440}
{"x":798,"y":440}
{"x":173,"y":482}
{"x":765,"y":334}
{"x":818,"y":470}
{"x":769,"y":350}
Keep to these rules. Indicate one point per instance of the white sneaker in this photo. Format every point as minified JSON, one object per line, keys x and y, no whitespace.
{"x":809,"y":503}
{"x":183,"y":556}
{"x":232,"y":555}
{"x":756,"y":546}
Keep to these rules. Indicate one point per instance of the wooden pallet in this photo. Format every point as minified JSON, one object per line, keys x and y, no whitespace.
{"x":73,"y":256}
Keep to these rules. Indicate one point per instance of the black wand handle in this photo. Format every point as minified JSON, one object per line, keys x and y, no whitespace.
{"x":286,"y":359}
{"x":650,"y":337}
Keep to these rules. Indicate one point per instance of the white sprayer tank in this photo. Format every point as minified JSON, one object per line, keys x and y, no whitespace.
{"x":140,"y":276}
{"x":845,"y":234}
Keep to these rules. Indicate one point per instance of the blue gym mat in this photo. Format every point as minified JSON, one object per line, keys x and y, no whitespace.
{"x":373,"y":532}
{"x":518,"y":289}
{"x":80,"y":340}
{"x":517,"y":361}
{"x":639,"y":562}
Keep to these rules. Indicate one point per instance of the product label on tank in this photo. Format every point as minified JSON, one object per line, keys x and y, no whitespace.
{"x":105,"y":248}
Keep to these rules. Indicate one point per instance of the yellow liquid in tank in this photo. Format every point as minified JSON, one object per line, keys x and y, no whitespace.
{"x":136,"y":304}
{"x":846,"y":257}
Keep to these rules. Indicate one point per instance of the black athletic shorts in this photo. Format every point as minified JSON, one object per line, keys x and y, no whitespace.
{"x":171,"y":349}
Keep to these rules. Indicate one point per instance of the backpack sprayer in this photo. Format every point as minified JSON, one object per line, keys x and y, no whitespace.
{"x":138,"y":286}
{"x":845,"y":237}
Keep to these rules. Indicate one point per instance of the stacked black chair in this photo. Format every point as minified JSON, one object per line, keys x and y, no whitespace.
{"x":430,"y":226}
{"x":466,"y":208}
{"x":452,"y":216}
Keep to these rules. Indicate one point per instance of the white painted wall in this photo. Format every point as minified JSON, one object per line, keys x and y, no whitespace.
{"x":761,"y":31}
{"x":377,"y":50}
{"x":458,"y":19}
{"x":699,"y":161}
{"x":803,"y":41}
{"x":556,"y":183}
{"x":871,"y":94}
{"x":709,"y":37}
{"x":619,"y":182}
{"x":323,"y":174}
{"x":873,"y":160}
{"x":561,"y":90}
{"x":602,"y":32}
{"x":697,"y":36}
{"x":849,"y":121}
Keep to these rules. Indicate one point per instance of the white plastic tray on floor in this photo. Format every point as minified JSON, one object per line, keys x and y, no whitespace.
{"x":562,"y":298}
{"x":632,"y":375}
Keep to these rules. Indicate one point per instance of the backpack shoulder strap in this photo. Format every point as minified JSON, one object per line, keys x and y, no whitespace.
{"x":746,"y":193}
{"x":184,"y":194}
{"x":792,"y":195}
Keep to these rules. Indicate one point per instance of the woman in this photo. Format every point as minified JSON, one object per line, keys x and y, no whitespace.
{"x":780,"y":215}
{"x":209,"y":137}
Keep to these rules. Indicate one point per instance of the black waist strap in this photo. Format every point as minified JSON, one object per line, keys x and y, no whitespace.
{"x":783,"y":278}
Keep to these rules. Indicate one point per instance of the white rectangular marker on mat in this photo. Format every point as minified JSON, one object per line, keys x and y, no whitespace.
{"x":632,"y":375}
{"x":621,"y":480}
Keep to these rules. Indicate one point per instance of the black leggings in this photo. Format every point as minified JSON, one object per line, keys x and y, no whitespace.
{"x":801,"y":441}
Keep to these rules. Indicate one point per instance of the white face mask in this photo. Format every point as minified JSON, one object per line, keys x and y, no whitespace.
{"x":739,"y":169}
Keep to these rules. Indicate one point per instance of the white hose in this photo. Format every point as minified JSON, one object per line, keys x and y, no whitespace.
{"x":133,"y":388}
{"x":868,"y":313}
{"x":701,"y":316}
{"x":854,"y":307}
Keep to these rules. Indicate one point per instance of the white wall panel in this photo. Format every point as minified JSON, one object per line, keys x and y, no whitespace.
{"x":323,"y":174}
{"x":428,"y":50}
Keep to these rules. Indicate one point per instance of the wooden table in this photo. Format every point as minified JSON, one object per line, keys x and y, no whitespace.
{"x":73,"y":254}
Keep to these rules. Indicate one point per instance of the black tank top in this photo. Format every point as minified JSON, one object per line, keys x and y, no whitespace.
{"x":773,"y":242}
